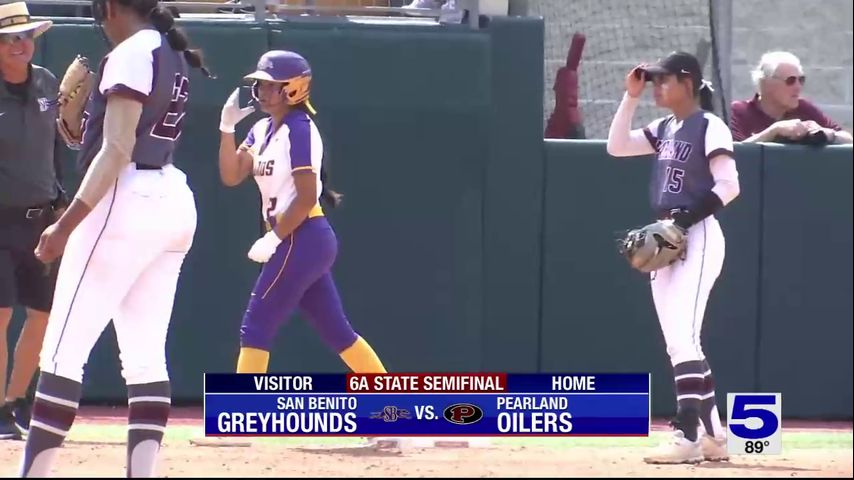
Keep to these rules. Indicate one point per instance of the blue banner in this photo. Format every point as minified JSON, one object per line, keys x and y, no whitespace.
{"x":459,"y":414}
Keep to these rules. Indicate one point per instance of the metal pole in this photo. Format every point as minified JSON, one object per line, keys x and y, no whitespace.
{"x":474,"y":14}
{"x":722,"y":19}
{"x":260,"y":9}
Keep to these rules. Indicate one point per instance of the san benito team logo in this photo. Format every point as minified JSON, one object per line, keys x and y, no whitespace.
{"x":391,"y":413}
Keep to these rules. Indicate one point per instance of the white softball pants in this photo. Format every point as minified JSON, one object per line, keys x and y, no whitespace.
{"x":681,"y":291}
{"x":122,"y":263}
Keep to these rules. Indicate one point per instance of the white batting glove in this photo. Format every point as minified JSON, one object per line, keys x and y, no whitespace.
{"x":232,"y":114}
{"x":264,"y":247}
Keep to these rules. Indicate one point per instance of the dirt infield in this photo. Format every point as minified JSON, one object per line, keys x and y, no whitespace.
{"x":180,"y":459}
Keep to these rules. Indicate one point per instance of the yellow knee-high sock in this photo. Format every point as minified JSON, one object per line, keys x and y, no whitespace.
{"x":361,"y":358}
{"x":252,"y":360}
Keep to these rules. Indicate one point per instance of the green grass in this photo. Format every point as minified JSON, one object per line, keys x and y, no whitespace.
{"x":179,"y":433}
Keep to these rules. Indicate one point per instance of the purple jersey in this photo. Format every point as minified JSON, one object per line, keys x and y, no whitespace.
{"x":146,"y":68}
{"x":681,"y":175}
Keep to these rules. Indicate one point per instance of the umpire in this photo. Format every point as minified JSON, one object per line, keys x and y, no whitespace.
{"x":30,"y":197}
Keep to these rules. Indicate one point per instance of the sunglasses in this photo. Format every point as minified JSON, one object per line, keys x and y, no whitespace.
{"x":10,"y":38}
{"x":792,"y":79}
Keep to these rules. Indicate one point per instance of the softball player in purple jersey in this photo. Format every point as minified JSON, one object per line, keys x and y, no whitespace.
{"x":284,"y":153}
{"x":694,"y":176}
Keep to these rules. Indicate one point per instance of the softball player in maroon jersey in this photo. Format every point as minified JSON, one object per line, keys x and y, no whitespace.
{"x":284,"y":154}
{"x":127,"y":232}
{"x":694,"y":176}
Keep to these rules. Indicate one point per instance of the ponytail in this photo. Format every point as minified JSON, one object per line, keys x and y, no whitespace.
{"x":707,"y":99}
{"x":164,"y":22}
{"x":706,"y":94}
{"x":329,"y":197}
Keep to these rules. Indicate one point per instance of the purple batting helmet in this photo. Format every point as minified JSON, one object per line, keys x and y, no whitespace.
{"x":288,"y":68}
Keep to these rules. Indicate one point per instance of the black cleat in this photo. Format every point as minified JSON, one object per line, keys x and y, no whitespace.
{"x":8,"y":429}
{"x":23,"y":412}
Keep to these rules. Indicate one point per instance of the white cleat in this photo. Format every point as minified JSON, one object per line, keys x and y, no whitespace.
{"x":714,"y":448}
{"x":676,"y":450}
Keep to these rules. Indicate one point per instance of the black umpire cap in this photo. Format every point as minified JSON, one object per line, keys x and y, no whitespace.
{"x":677,"y":63}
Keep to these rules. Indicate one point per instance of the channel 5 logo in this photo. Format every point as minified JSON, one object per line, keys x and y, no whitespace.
{"x":754,"y":423}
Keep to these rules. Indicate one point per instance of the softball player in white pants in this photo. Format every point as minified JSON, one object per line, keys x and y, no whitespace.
{"x":694,"y":176}
{"x":124,"y":236}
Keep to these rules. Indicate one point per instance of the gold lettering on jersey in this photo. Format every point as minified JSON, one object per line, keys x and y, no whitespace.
{"x":264,"y":169}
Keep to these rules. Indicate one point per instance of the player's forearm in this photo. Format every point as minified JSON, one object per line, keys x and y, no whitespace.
{"x":73,"y":215}
{"x":120,"y":123}
{"x":230,"y":171}
{"x":294,"y":215}
{"x":621,"y":142}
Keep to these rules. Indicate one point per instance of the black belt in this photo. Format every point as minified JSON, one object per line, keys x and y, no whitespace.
{"x":667,"y":214}
{"x":28,"y":213}
{"x":140,"y":166}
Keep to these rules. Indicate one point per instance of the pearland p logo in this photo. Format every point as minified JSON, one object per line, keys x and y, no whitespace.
{"x":463,"y":413}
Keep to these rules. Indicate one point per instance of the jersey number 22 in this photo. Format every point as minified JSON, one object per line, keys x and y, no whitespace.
{"x":169,"y":127}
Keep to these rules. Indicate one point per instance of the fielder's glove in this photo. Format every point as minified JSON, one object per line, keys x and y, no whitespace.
{"x":74,"y":90}
{"x":654,"y":246}
{"x":232,"y":114}
{"x":264,"y":247}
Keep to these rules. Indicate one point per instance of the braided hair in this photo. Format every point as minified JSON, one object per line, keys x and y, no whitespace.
{"x":163,"y":20}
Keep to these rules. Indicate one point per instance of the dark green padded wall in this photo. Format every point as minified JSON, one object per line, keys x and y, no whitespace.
{"x":512,"y":216}
{"x":805,"y":319}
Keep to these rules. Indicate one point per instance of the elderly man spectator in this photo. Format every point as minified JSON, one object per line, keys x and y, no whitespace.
{"x":777,"y":113}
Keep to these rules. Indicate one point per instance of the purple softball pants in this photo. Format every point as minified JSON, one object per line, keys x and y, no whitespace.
{"x":298,"y":276}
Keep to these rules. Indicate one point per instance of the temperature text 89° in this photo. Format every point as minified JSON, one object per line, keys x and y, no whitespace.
{"x":755,"y":446}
